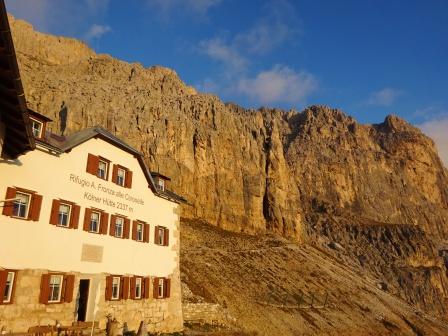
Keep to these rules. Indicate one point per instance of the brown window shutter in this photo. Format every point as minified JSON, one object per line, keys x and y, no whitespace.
{"x":108,"y":292}
{"x":128,"y":179}
{"x":8,"y":206}
{"x":54,"y":212}
{"x":146,"y":233}
{"x":87,"y":214}
{"x":166,"y":237}
{"x":146,"y":282}
{"x":69,"y":286}
{"x":36,"y":204}
{"x":93,"y":162}
{"x":156,"y":234}
{"x":124,"y":288}
{"x":74,"y":218}
{"x":132,"y":288}
{"x":167,"y":288}
{"x":3,"y":278}
{"x":104,"y":223}
{"x":44,"y":288}
{"x":155,"y":288}
{"x":115,"y":173}
{"x":112,"y":225}
{"x":134,"y":230}
{"x":127,"y":225}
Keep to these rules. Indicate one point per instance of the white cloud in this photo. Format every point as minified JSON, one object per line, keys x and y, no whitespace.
{"x":280,"y":84}
{"x":437,"y":129}
{"x":97,"y":31}
{"x":218,"y":50}
{"x":196,"y":7}
{"x":70,"y":17}
{"x":384,"y":97}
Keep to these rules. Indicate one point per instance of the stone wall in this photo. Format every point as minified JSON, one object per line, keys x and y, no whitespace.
{"x":161,"y":315}
{"x":206,"y":313}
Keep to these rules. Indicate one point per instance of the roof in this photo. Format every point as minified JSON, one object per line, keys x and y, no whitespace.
{"x":38,"y":116}
{"x":157,"y":174}
{"x":65,"y":144}
{"x":13,"y":110}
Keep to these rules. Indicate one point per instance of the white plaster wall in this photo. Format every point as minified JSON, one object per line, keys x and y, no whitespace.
{"x":40,"y":245}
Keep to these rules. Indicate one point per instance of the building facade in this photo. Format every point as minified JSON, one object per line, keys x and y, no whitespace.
{"x":85,"y":230}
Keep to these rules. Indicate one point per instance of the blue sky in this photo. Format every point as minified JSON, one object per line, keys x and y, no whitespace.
{"x":369,"y":58}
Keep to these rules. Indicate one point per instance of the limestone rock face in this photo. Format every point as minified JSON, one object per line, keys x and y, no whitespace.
{"x":243,"y":170}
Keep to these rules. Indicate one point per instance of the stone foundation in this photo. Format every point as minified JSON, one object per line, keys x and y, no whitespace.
{"x":206,"y":313}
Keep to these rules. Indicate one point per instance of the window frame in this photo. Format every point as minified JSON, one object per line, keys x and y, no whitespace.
{"x":98,"y":223}
{"x":118,"y":288}
{"x":121,"y":169}
{"x":142,"y":225}
{"x":161,"y":286}
{"x":107,"y":164}
{"x":138,"y":280}
{"x":12,"y":287}
{"x":28,"y":204}
{"x":50,"y":292}
{"x":161,"y":229}
{"x":33,"y":122}
{"x":160,"y":184}
{"x":69,"y":215}
{"x":122,"y":226}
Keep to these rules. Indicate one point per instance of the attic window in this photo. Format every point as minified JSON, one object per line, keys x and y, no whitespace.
{"x":160,"y":184}
{"x":37,"y":128}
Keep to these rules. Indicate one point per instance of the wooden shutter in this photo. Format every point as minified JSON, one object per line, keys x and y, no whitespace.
{"x":54,"y":212}
{"x":128,"y":179}
{"x":156,"y":234}
{"x":35,"y":206}
{"x":74,"y":218}
{"x":104,"y":222}
{"x":9,"y":206}
{"x":87,"y":214}
{"x":115,"y":174}
{"x":127,"y":224}
{"x":166,"y":237}
{"x":167,"y":288}
{"x":146,"y":233}
{"x":112,"y":225}
{"x":44,"y":288}
{"x":134,"y":230}
{"x":132,"y":288}
{"x":108,"y":292}
{"x":125,"y":288}
{"x":69,"y":286}
{"x":155,"y":289}
{"x":93,"y":162}
{"x":3,"y":278}
{"x":146,"y":282}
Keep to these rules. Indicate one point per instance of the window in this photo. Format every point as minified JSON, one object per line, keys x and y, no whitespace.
{"x":162,"y":236}
{"x":36,"y":128}
{"x":119,"y":223}
{"x":140,"y":231}
{"x":94,"y":222}
{"x":102,"y":169}
{"x":64,"y":215}
{"x":121,"y":175}
{"x":21,"y":205}
{"x":115,"y":288}
{"x":9,"y":277}
{"x":161,"y":288}
{"x":138,"y":288}
{"x":160,"y":184}
{"x":55,"y":288}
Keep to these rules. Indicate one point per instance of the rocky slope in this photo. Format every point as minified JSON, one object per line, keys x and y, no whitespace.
{"x":376,"y":193}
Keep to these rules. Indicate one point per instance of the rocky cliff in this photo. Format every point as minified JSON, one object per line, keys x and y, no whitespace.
{"x":376,"y":193}
{"x":244,"y":170}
